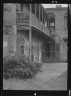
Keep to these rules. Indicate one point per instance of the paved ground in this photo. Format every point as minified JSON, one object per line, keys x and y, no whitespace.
{"x":44,"y":80}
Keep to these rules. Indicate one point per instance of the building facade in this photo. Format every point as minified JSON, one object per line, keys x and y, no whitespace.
{"x":59,"y":28}
{"x":26,"y":31}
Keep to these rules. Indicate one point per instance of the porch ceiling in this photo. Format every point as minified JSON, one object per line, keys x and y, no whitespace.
{"x":42,"y":35}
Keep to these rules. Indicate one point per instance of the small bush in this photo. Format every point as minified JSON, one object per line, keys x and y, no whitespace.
{"x":19,"y":67}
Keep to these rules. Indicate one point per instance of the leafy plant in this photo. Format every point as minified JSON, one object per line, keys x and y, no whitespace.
{"x":19,"y":67}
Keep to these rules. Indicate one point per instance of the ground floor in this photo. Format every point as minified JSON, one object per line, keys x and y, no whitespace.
{"x":34,"y":44}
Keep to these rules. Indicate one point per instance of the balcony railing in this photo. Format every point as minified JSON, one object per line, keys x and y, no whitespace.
{"x":52,"y":31}
{"x":22,"y":19}
{"x":35,"y":22}
{"x":29,"y":19}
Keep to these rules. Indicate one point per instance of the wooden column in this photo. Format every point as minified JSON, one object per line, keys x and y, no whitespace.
{"x":30,"y":35}
{"x":14,"y":37}
{"x":42,"y":16}
{"x":55,"y":49}
{"x":30,"y":43}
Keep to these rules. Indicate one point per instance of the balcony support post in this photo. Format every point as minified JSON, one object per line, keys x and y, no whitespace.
{"x":30,"y":43}
{"x":55,"y":49}
{"x":42,"y":16}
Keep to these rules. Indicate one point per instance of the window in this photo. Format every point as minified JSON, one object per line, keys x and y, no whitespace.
{"x":43,"y":17}
{"x":51,"y":21}
{"x":65,"y":21}
{"x":57,"y":50}
{"x":37,"y":11}
{"x":22,"y":49}
{"x":28,"y":6}
{"x":22,"y":7}
{"x":17,"y":8}
{"x":48,"y":50}
{"x":57,"y":47}
{"x":33,"y":8}
{"x":45,"y":20}
{"x":52,"y":25}
{"x":40,"y":14}
{"x":65,"y":40}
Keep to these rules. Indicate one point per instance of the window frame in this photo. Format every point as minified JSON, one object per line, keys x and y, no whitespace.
{"x":33,"y":11}
{"x":22,"y":48}
{"x":65,"y":21}
{"x":37,"y":11}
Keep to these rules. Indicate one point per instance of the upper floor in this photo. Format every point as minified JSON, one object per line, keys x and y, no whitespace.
{"x":58,"y":20}
{"x":33,"y":15}
{"x":46,"y":20}
{"x":26,"y":15}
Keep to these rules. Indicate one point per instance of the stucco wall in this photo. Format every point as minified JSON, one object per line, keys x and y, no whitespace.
{"x":9,"y":26}
{"x":9,"y":13}
{"x":5,"y":45}
{"x":59,"y":28}
{"x":37,"y":43}
{"x":63,"y":52}
{"x":59,"y":19}
{"x":9,"y":40}
{"x":25,"y":42}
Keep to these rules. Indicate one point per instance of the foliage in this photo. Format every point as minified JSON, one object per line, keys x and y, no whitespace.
{"x":19,"y":67}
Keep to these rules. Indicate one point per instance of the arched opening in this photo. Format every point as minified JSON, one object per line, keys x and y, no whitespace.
{"x":65,"y":21}
{"x":51,"y":17}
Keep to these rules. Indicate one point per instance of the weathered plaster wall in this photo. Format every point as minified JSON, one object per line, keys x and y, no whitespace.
{"x":5,"y":45}
{"x":25,"y":42}
{"x":9,"y":13}
{"x":59,"y":28}
{"x":9,"y":26}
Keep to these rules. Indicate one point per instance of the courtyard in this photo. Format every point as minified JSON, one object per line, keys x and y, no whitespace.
{"x":52,"y":77}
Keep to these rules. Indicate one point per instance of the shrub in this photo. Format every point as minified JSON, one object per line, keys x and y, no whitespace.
{"x":19,"y":67}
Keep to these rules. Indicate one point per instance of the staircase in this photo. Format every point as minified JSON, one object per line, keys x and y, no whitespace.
{"x":65,"y":45}
{"x":57,"y":60}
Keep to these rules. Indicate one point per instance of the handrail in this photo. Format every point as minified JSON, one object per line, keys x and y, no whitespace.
{"x":33,"y":15}
{"x":39,"y":20}
{"x":43,"y":26}
{"x":62,"y":40}
{"x":22,"y":12}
